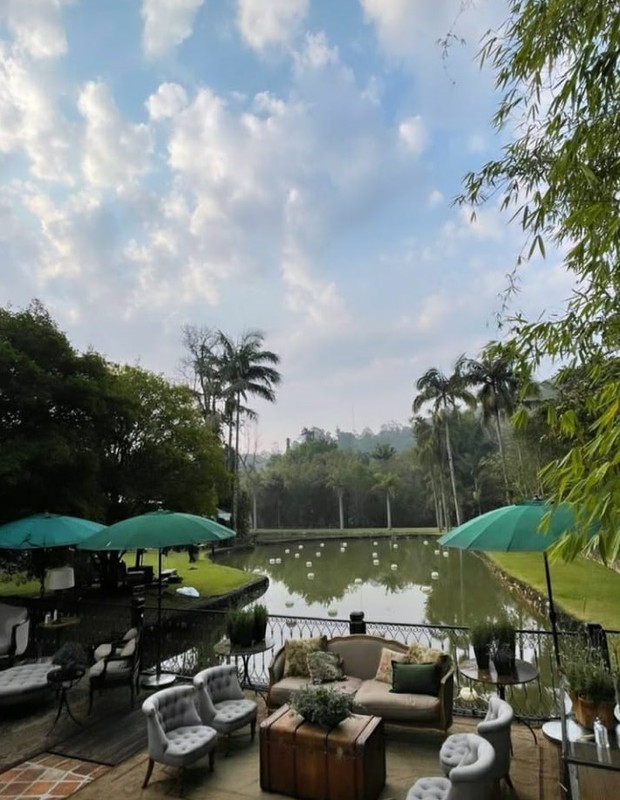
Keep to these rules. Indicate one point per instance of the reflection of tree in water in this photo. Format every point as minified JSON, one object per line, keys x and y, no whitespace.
{"x":335,"y":573}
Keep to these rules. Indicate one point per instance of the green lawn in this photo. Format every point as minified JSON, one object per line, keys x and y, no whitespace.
{"x":583,"y":588}
{"x":208,"y":578}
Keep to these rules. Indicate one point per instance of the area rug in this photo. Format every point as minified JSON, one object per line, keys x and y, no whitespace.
{"x":109,"y":741}
{"x":409,"y":756}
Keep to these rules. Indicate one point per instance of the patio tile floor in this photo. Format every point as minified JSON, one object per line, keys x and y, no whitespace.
{"x":48,"y":776}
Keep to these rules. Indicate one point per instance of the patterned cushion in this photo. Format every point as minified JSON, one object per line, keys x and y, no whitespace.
{"x":419,"y":654}
{"x":384,"y":670}
{"x":295,"y":652}
{"x":324,"y":667}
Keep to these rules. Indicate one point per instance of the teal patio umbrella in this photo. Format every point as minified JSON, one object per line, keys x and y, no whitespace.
{"x":516,"y":529}
{"x":158,"y":529}
{"x":46,"y":530}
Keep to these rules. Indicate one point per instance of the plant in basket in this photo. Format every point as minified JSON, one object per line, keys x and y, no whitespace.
{"x":591,"y":685}
{"x":321,"y":706}
{"x":481,"y":637}
{"x":261,"y":617}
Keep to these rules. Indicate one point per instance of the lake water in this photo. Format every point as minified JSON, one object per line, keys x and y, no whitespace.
{"x":398,"y":580}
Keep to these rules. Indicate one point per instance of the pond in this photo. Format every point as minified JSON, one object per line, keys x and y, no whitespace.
{"x":404,"y":580}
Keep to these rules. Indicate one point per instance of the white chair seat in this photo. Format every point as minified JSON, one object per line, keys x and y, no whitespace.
{"x":453,"y":751}
{"x":221,"y":702}
{"x":189,"y":740}
{"x":233,"y":714}
{"x":429,"y":789}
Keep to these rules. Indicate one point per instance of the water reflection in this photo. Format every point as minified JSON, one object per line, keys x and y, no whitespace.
{"x":401,"y":587}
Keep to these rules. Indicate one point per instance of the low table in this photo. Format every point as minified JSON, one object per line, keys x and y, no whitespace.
{"x":346,"y":762}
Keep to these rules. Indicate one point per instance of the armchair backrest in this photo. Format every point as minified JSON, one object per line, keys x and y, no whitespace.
{"x":214,"y":685}
{"x":14,"y":630}
{"x":472,"y":778}
{"x":166,"y":711}
{"x":495,"y":728}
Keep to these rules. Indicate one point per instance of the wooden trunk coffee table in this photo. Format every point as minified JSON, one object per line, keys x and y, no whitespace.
{"x":306,"y":761}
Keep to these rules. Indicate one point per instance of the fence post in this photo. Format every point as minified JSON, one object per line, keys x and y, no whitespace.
{"x":356,"y":622}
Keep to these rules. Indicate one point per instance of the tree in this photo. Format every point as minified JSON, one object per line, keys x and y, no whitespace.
{"x":443,"y":393}
{"x":245,"y":370}
{"x":557,"y":68}
{"x":387,"y":482}
{"x":498,"y":393}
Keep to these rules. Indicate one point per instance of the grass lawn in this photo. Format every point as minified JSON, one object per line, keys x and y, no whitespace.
{"x":208,"y":578}
{"x":274,"y":534}
{"x":583,"y":588}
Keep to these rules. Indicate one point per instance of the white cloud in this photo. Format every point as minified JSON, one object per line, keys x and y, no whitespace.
{"x":36,"y":26}
{"x":413,"y":134}
{"x":167,"y":101}
{"x":167,"y":23}
{"x":264,"y":24}
{"x":435,"y":198}
{"x":115,"y":152}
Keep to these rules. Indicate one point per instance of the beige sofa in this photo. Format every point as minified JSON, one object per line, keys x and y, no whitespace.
{"x":360,"y":654}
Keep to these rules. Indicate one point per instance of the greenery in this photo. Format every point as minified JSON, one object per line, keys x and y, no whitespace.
{"x":583,"y":588}
{"x":587,"y":674}
{"x":321,"y":705}
{"x":481,"y":633}
{"x":240,"y":627}
{"x":261,"y":614}
{"x":557,"y":70}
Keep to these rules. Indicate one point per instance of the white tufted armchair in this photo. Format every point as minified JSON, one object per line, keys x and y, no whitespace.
{"x":471,"y":779}
{"x":176,"y":736}
{"x":221,"y":702}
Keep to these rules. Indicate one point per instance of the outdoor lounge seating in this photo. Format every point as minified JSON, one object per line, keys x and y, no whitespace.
{"x":14,"y":631}
{"x":221,"y":702}
{"x":117,"y":646}
{"x":24,"y":683}
{"x":471,"y":779}
{"x":495,"y":728}
{"x":120,"y":668}
{"x":176,"y":735}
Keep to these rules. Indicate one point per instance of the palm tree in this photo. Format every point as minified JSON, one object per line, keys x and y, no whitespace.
{"x":498,"y":394}
{"x":387,"y":482}
{"x":431,"y":460}
{"x":246,"y":370}
{"x":444,"y":392}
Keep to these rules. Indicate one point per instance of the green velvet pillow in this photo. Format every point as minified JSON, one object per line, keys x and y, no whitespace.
{"x":415,"y":678}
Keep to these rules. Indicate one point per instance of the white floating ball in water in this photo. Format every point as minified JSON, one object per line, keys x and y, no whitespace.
{"x":311,"y":576}
{"x":300,"y":547}
{"x":395,"y":546}
{"x":434,"y":575}
{"x":374,"y":544}
{"x":426,"y":541}
{"x":287,"y":550}
{"x":332,"y":612}
{"x":289,"y":604}
{"x":318,"y":554}
{"x":323,"y":545}
{"x":375,"y":555}
{"x":393,"y":566}
{"x":278,"y":560}
{"x":375,"y":562}
{"x":296,"y":555}
{"x":308,"y":563}
{"x":437,"y":552}
{"x":445,"y":554}
{"x":358,"y":580}
{"x":272,"y":561}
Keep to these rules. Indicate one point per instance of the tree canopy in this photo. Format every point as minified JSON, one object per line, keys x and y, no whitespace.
{"x":557,"y":70}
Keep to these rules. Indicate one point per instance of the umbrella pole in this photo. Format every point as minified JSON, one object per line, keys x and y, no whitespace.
{"x":159,"y":679}
{"x":552,"y":614}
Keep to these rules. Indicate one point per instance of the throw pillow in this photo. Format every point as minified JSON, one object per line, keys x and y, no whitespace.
{"x":420,"y":654}
{"x":415,"y":679}
{"x":384,"y":670}
{"x":295,"y":652}
{"x":324,"y":667}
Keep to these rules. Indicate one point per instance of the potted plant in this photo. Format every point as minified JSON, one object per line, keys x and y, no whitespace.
{"x":481,"y":637}
{"x":240,"y":627}
{"x":503,"y":646}
{"x":321,"y":706}
{"x":591,"y":686}
{"x":261,"y":617}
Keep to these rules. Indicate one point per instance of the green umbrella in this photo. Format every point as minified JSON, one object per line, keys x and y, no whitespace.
{"x":158,"y":529}
{"x":46,"y":530}
{"x":517,"y":529}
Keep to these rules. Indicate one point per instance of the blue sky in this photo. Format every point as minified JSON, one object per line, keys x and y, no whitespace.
{"x":286,"y":165}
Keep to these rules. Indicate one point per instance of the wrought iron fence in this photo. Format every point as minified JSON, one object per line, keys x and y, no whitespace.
{"x":189,"y":636}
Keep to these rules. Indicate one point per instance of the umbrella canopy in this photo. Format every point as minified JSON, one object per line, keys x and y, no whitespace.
{"x":157,"y":529}
{"x":46,"y":530}
{"x":513,"y":529}
{"x":516,"y":529}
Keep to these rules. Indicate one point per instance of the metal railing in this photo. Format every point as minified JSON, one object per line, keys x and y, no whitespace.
{"x":190,"y":635}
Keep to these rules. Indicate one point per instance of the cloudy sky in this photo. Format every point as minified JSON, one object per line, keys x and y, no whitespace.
{"x":287,"y":165}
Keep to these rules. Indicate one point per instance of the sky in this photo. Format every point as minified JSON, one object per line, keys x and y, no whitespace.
{"x":282,"y":165}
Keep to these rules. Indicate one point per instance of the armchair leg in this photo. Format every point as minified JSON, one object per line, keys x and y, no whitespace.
{"x":149,"y":772}
{"x":509,"y":782}
{"x":211,"y":759}
{"x":253,"y":729}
